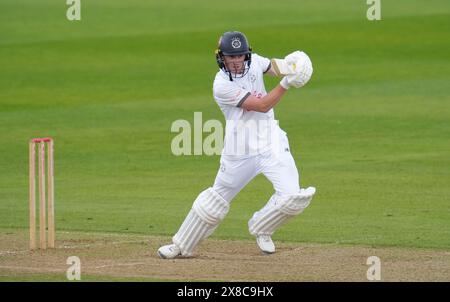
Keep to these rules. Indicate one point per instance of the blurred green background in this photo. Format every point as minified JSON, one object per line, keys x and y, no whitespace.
{"x":371,"y":130}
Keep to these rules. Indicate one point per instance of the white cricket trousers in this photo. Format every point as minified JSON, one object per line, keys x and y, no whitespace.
{"x":279,"y":168}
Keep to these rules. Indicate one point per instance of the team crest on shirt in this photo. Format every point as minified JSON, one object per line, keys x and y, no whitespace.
{"x":252,"y":78}
{"x":236,"y":42}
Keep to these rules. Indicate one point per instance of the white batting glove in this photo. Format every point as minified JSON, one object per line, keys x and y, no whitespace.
{"x":303,"y":76}
{"x":293,"y":57}
{"x":303,"y":71}
{"x":285,"y":83}
{"x":288,"y":65}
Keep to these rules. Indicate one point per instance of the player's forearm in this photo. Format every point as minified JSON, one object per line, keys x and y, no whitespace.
{"x":272,"y":98}
{"x":264,"y":104}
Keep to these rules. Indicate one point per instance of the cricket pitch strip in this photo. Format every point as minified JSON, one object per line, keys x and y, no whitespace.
{"x":129,"y":257}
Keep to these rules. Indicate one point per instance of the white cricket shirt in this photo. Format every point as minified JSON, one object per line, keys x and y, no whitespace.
{"x":247,"y":133}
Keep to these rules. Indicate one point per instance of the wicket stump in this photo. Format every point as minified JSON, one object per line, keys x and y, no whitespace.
{"x":42,"y":193}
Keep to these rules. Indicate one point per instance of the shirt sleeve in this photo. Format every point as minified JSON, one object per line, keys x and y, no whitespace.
{"x":230,"y":94}
{"x":263,"y":63}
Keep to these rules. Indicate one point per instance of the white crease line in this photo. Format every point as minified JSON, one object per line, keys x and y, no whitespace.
{"x":40,"y":269}
{"x":120,"y":264}
{"x":357,"y":239}
{"x":73,"y":246}
{"x":106,"y":234}
{"x":12,"y":252}
{"x":99,"y":243}
{"x":53,"y":270}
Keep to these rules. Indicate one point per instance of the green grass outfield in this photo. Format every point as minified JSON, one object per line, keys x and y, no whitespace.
{"x":371,"y":131}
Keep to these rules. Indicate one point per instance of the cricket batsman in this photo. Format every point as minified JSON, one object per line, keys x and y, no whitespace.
{"x":253,"y":144}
